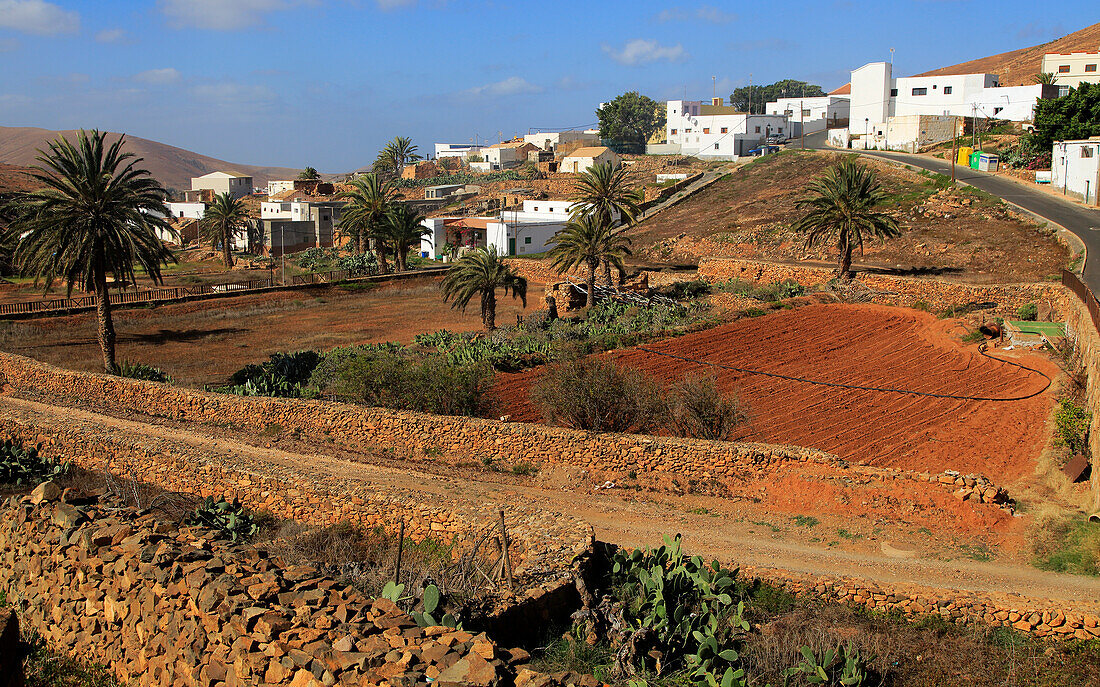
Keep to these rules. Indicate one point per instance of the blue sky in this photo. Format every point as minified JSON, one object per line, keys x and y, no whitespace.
{"x":327,"y":82}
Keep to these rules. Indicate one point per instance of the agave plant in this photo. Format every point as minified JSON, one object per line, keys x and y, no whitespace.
{"x":21,"y":466}
{"x":229,"y":517}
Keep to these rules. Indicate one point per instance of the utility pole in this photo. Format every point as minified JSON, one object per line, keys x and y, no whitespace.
{"x":954,"y":142}
{"x":801,"y":127}
{"x":750,"y":93}
{"x":713,"y":88}
{"x":974,"y":126}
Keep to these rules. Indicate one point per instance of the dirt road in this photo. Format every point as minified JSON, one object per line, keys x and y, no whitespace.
{"x":616,"y":517}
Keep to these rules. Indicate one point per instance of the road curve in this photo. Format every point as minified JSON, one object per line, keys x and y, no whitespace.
{"x":1082,"y":222}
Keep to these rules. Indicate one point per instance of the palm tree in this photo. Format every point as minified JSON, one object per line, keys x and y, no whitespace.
{"x":397,"y":153}
{"x":588,"y":241}
{"x":482,"y":272}
{"x":843,"y":206}
{"x":98,"y":215}
{"x":223,"y":220}
{"x":607,"y":192}
{"x":369,"y":199}
{"x":402,"y":230}
{"x":1045,"y":78}
{"x":309,"y":174}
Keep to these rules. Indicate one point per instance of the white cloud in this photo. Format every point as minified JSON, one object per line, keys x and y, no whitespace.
{"x":513,"y":85}
{"x":706,"y":13}
{"x":643,"y":51}
{"x":38,"y":17}
{"x":111,"y":36}
{"x":8,"y":44}
{"x":158,"y":77}
{"x":229,"y":93}
{"x":222,"y":15}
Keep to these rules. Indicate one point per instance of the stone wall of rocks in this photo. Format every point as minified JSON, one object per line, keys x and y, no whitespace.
{"x":165,"y":606}
{"x":1081,"y":331}
{"x":425,"y":437}
{"x":935,"y":295}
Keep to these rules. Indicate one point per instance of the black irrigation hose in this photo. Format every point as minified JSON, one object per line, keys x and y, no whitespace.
{"x":981,"y":349}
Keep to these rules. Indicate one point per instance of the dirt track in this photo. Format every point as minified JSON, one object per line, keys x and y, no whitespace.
{"x":864,"y":345}
{"x":617,"y":518}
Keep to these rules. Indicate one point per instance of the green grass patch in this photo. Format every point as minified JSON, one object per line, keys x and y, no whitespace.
{"x":1068,"y":544}
{"x":805,"y":520}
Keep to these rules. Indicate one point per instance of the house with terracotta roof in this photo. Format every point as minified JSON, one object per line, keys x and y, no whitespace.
{"x":507,"y":155}
{"x":582,"y":158}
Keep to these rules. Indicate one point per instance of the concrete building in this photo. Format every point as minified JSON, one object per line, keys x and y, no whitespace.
{"x":188,"y":210}
{"x":236,"y":185}
{"x":462,"y":150}
{"x":582,"y":158}
{"x":1075,"y":169}
{"x":294,"y":225}
{"x":1071,"y":70}
{"x":808,"y":115}
{"x":716,"y":131}
{"x":442,"y":191}
{"x":506,"y":155}
{"x":550,"y":140}
{"x":282,"y":186}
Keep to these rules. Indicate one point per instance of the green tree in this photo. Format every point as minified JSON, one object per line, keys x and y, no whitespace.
{"x":223,"y":220}
{"x":98,"y":216}
{"x":844,"y":207}
{"x":587,"y":241}
{"x":402,"y":230}
{"x":1071,"y":117}
{"x":309,"y":174}
{"x":369,"y":199}
{"x":758,"y":95}
{"x":607,"y":192}
{"x":631,"y":118}
{"x":482,"y":272}
{"x":397,"y":153}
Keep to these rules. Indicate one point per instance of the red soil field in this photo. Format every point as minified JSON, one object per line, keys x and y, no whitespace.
{"x":864,"y":345}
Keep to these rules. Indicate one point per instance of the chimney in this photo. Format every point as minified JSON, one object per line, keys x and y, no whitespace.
{"x":717,"y":102}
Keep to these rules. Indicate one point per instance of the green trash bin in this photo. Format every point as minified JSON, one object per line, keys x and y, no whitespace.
{"x":974,"y":157}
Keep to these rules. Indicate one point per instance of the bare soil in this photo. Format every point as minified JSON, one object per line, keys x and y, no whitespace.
{"x":203,"y":342}
{"x":958,"y":235}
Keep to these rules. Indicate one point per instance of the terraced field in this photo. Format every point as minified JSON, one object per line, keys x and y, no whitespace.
{"x":867,"y":346}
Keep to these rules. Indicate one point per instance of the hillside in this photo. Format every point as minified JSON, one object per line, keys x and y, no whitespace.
{"x":14,"y":179}
{"x":748,"y":214}
{"x":1018,"y":67}
{"x":173,"y":166}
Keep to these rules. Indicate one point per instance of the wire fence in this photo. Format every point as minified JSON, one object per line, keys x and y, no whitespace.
{"x":175,"y":292}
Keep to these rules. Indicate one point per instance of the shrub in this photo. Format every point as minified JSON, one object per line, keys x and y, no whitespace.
{"x":1028,"y":313}
{"x":1072,"y":424}
{"x":314,"y":258}
{"x":1066,"y":544}
{"x":702,"y":411}
{"x":599,"y":396}
{"x":143,"y":371}
{"x":230,"y":518}
{"x":22,"y":466}
{"x":390,"y":379}
{"x":359,"y":262}
{"x":684,"y":290}
{"x":283,"y":375}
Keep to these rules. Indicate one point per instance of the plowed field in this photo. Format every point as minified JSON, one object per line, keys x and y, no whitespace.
{"x":868,"y":346}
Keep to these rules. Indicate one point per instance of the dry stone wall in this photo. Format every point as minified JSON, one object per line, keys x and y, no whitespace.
{"x":166,"y":606}
{"x":934,"y":294}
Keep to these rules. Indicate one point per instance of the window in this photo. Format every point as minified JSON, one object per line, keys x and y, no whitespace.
{"x":527,"y":240}
{"x":933,"y":87}
{"x":997,"y":110}
{"x":757,"y":129}
{"x":1086,"y":152}
{"x":687,"y":131}
{"x":673,"y":132}
{"x":920,"y":91}
{"x":780,"y":130}
{"x":1090,"y":67}
{"x":805,"y":113}
{"x":1063,"y":69}
{"x":674,"y":110}
{"x":893,"y":92}
{"x":947,"y":90}
{"x":706,"y":130}
{"x":725,"y":129}
{"x":716,"y":146}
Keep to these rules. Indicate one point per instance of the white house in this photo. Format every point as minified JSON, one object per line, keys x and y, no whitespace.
{"x":508,"y":154}
{"x":582,"y":158}
{"x":1075,"y":169}
{"x":717,"y":131}
{"x":549,"y":140}
{"x":462,"y":150}
{"x":280,"y":186}
{"x":299,"y":224}
{"x":808,"y":115}
{"x":1072,"y":69}
{"x":188,"y":210}
{"x":237,"y":185}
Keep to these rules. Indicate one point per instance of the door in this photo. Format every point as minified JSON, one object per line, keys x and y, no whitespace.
{"x":511,"y":246}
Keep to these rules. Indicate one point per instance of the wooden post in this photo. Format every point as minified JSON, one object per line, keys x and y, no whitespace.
{"x":954,"y":142}
{"x":400,"y":550}
{"x":504,"y":552}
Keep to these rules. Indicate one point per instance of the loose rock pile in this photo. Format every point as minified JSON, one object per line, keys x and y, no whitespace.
{"x":164,"y":605}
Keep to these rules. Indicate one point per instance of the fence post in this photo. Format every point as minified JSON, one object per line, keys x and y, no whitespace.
{"x":400,"y":550}
{"x":504,"y":551}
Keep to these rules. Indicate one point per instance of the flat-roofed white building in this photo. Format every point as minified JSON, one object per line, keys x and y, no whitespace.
{"x":1075,"y":169}
{"x":462,"y":150}
{"x":550,"y":140}
{"x":718,"y":131}
{"x":1070,"y":70}
{"x":235,"y":184}
{"x":807,"y":115}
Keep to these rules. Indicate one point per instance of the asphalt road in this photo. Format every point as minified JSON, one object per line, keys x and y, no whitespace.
{"x":1083,"y":222}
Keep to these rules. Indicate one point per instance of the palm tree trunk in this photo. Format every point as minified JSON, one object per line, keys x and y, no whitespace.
{"x":227,"y":255}
{"x":106,"y":329}
{"x":845,"y":265}
{"x":606,"y":264}
{"x":591,"y":284}
{"x":489,"y":309}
